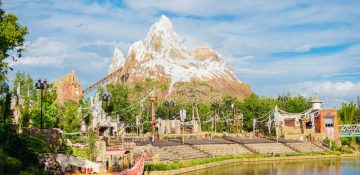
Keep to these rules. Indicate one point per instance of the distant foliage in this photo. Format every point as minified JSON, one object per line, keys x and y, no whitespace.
{"x":125,"y":103}
{"x":294,"y":104}
{"x":24,"y":91}
{"x":349,"y":113}
{"x":26,"y":84}
{"x":255,"y":107}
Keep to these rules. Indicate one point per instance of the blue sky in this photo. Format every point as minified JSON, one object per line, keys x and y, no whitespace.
{"x":303,"y":47}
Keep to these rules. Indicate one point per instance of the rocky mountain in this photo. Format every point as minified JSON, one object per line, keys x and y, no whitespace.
{"x":162,"y":56}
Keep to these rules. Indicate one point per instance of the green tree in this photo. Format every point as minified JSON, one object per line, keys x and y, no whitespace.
{"x":12,"y":37}
{"x":348,"y":113}
{"x":90,"y":152}
{"x":254,"y":107}
{"x":162,"y":111}
{"x":26,"y":83}
{"x":18,"y":152}
{"x":27,"y":96}
{"x":357,"y":111}
{"x":50,"y":109}
{"x":5,"y":101}
{"x":294,"y":104}
{"x":119,"y":104}
{"x":145,"y":87}
{"x":69,"y":120}
{"x":85,"y":105}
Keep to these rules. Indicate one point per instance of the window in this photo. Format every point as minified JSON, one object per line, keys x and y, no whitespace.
{"x":329,"y":125}
{"x":329,"y":122}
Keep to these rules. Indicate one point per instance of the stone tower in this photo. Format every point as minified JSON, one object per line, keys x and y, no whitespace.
{"x":68,"y":88}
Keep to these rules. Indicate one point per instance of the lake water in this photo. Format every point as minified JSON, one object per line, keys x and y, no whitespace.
{"x":303,"y":167}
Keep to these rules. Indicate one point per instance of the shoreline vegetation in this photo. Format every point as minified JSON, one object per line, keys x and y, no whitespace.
{"x":184,"y":166}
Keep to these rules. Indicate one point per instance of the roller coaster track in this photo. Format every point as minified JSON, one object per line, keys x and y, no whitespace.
{"x":106,"y":79}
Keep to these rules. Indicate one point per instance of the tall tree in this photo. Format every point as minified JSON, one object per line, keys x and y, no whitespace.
{"x":12,"y":37}
{"x":119,"y":104}
{"x":255,"y":107}
{"x":69,"y":119}
{"x":49,"y":108}
{"x":357,"y":112}
{"x":23,"y":89}
{"x":26,"y":85}
{"x":348,"y":113}
{"x":18,"y":152}
{"x":294,"y":103}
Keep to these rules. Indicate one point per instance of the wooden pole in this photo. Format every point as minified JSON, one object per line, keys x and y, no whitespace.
{"x":183,"y":142}
{"x":152,"y":122}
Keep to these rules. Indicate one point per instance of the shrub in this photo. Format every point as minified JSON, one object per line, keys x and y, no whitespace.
{"x":346,"y":149}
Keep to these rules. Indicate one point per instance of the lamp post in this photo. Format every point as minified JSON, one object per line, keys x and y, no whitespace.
{"x":106,"y":98}
{"x":152,"y":98}
{"x":283,"y":98}
{"x":234,"y":119}
{"x":182,"y":119}
{"x":169,"y":104}
{"x":41,"y":85}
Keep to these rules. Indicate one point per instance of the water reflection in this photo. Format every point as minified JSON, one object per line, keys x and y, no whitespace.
{"x":306,"y":167}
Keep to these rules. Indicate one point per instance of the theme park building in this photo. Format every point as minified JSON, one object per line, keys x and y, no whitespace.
{"x":316,"y":123}
{"x":68,"y":88}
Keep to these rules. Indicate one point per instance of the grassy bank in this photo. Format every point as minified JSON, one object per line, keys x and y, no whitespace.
{"x":165,"y":166}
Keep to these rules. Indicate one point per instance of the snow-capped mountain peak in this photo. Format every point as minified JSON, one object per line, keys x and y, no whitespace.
{"x":117,"y":60}
{"x":162,"y":36}
{"x":161,"y":55}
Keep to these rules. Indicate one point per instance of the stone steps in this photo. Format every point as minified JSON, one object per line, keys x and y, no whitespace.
{"x":306,"y":147}
{"x":224,"y":149}
{"x":164,"y":154}
{"x":269,"y":148}
{"x":185,"y":151}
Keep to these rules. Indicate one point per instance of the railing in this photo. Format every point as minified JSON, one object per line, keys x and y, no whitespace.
{"x":349,"y":130}
{"x":102,"y":81}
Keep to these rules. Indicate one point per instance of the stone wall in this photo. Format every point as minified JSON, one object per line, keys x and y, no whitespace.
{"x":68,"y":88}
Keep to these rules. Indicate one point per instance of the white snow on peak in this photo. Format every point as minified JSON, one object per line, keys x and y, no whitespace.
{"x":163,"y":48}
{"x":165,"y":21}
{"x":161,"y":36}
{"x":117,"y":61}
{"x":138,"y":50}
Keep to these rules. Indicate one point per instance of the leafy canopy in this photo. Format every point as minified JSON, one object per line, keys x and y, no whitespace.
{"x":12,"y":37}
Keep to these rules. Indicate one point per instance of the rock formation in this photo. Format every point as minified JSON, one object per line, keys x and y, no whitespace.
{"x":68,"y":88}
{"x":162,"y":56}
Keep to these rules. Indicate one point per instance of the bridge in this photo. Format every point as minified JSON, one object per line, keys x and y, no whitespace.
{"x":349,"y":130}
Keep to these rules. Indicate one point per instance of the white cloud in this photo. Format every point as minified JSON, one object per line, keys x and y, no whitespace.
{"x":55,"y":53}
{"x":328,"y":88}
{"x":53,"y":57}
{"x":304,"y":48}
{"x":123,"y":46}
{"x":82,"y":36}
{"x":333,"y":93}
{"x":40,"y":61}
